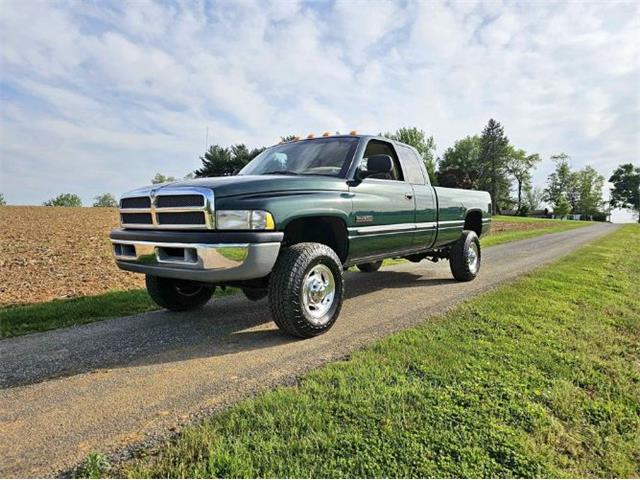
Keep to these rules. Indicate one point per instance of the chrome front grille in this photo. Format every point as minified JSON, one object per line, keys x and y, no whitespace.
{"x":168,"y":208}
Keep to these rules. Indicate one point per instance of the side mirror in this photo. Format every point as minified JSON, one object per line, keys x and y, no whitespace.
{"x":375,"y":165}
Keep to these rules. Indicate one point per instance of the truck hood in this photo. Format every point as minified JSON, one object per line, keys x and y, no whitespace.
{"x":252,"y":184}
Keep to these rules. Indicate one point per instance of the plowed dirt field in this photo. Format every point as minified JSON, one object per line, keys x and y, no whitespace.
{"x":58,"y":252}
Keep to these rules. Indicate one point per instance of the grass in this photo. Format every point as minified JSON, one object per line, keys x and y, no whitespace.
{"x":533,"y":227}
{"x":95,"y":465}
{"x":20,"y":320}
{"x":540,"y":378}
{"x":39,"y":317}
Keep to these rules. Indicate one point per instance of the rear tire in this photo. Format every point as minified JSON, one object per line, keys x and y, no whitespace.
{"x":370,"y":266}
{"x":178,"y":295}
{"x":255,"y":294}
{"x":306,"y":289}
{"x":465,"y":257}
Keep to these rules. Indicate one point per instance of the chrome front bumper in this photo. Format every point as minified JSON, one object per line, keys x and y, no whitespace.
{"x":203,"y":262}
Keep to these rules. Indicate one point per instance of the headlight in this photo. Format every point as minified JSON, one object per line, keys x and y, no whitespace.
{"x":244,"y":220}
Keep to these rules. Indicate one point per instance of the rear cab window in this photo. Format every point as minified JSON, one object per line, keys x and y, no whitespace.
{"x":414,"y":168}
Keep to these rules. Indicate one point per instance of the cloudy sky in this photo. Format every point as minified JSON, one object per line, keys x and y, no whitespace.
{"x":97,"y":97}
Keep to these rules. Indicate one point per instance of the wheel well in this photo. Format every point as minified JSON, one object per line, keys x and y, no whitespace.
{"x":330,"y":231}
{"x":473,"y":221}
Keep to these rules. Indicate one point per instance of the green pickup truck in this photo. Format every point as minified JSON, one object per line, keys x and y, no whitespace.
{"x":291,"y":221}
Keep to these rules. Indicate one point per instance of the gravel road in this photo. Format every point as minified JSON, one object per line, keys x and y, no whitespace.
{"x":133,"y":380}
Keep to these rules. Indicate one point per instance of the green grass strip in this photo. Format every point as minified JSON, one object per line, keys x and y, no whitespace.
{"x":539,"y":378}
{"x":511,"y":236}
{"x":39,"y":317}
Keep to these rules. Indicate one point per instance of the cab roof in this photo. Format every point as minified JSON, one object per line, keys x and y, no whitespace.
{"x":344,"y":135}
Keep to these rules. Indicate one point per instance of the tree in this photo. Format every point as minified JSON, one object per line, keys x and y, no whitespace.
{"x":562,"y":208}
{"x":519,"y":166}
{"x":426,"y":146}
{"x":105,"y":200}
{"x":589,"y":185}
{"x":64,"y":200}
{"x":562,"y":182}
{"x":2,"y":200}
{"x":534,"y":197}
{"x":493,"y":160}
{"x":460,"y":165}
{"x":221,"y":162}
{"x":626,"y":188}
{"x":160,"y":178}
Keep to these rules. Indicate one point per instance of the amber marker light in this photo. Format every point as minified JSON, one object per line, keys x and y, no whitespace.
{"x":311,"y":135}
{"x":353,"y":132}
{"x":326,"y":134}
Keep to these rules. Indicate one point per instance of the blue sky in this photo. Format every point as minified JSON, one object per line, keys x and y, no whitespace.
{"x":98,"y":97}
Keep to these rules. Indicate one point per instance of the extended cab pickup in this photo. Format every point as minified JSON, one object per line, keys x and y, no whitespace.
{"x":291,"y":221}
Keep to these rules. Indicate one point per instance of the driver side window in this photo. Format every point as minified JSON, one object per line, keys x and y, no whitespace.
{"x":378,"y":147}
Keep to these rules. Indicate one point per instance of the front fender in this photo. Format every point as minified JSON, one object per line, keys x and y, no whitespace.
{"x":291,"y":206}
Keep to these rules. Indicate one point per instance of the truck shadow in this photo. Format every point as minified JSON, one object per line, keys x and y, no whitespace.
{"x":225,"y":326}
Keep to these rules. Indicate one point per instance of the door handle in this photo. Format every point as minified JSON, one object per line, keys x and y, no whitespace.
{"x":408,"y":196}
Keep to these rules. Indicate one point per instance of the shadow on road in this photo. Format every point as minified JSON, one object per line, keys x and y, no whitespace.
{"x":224,"y":326}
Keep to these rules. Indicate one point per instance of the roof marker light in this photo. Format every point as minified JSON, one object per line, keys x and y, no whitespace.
{"x":353,"y":132}
{"x":326,"y":134}
{"x":311,"y":135}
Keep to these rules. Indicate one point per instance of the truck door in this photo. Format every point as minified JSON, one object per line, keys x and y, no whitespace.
{"x":383,"y":216}
{"x":424,"y":194}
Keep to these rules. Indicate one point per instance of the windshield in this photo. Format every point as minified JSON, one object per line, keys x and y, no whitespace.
{"x":322,"y":156}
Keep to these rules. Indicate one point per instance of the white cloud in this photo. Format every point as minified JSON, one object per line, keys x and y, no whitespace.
{"x":98,"y":97}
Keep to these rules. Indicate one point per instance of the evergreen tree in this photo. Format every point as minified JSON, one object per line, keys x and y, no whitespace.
{"x":562,"y":207}
{"x":221,"y":162}
{"x":493,"y":161}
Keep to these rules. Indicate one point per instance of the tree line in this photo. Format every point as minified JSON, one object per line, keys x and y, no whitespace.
{"x":485,"y":161}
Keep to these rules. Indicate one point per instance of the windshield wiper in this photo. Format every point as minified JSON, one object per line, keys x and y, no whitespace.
{"x":280,"y":172}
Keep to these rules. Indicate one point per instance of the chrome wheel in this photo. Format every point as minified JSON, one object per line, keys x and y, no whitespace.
{"x":318,"y":293}
{"x":473,"y":259}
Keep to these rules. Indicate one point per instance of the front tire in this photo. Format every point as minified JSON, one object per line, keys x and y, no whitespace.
{"x":306,"y":289}
{"x":370,"y":266}
{"x":178,"y":295}
{"x":465,"y":257}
